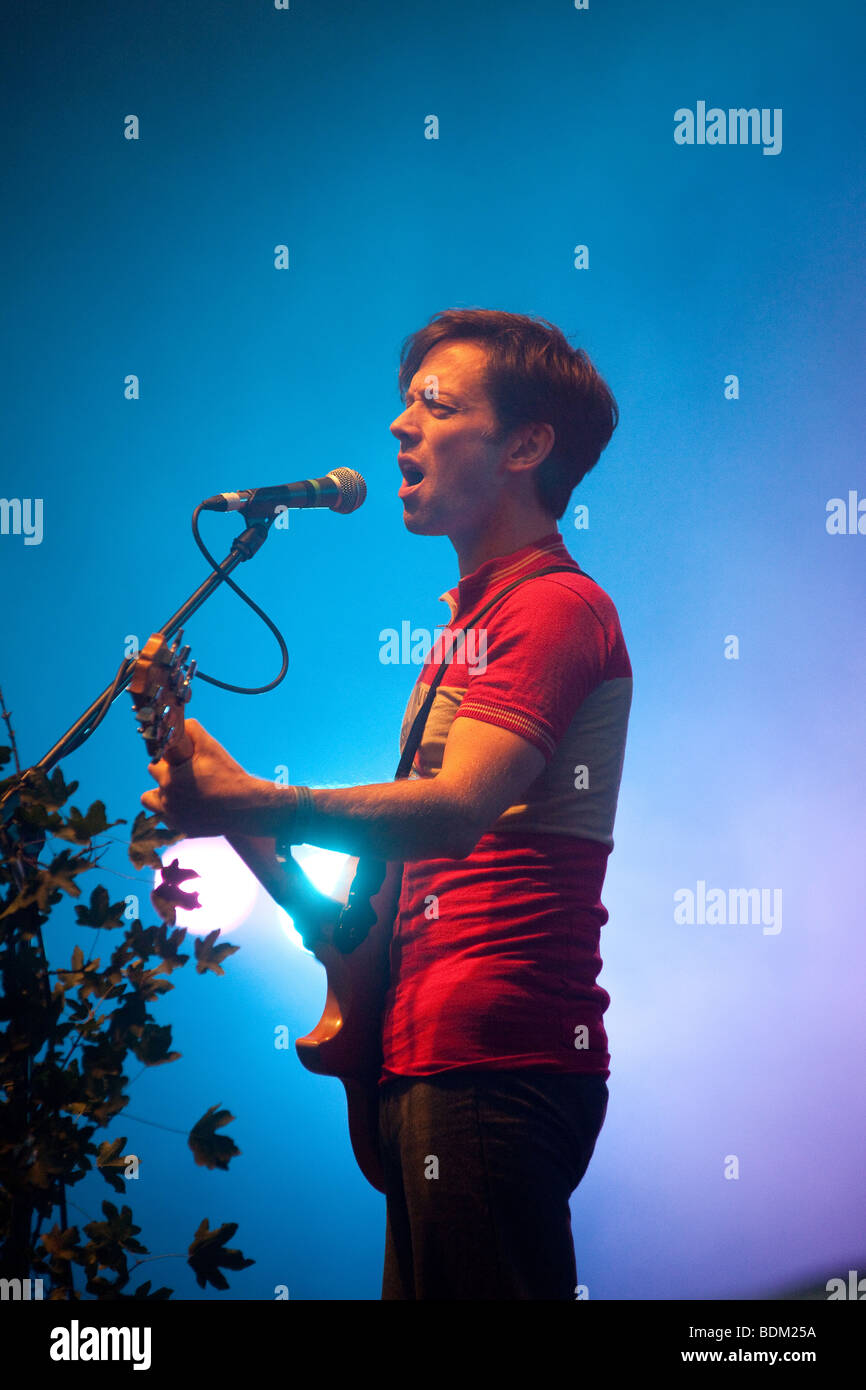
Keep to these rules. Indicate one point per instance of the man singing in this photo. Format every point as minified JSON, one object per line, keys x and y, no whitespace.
{"x":495,"y":1063}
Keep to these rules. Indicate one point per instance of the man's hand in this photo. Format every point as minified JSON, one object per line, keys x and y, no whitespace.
{"x":210,"y":793}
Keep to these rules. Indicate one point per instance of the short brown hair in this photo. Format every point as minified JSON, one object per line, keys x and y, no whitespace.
{"x":533,"y":374}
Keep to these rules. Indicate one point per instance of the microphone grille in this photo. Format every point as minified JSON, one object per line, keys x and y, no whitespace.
{"x":353,"y":489}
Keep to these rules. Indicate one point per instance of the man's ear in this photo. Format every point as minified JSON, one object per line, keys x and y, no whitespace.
{"x":530,"y":446}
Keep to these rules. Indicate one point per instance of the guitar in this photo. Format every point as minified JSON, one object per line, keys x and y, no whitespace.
{"x":346,"y":1042}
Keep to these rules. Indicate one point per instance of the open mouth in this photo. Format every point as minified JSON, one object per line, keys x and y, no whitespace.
{"x":412,"y":476}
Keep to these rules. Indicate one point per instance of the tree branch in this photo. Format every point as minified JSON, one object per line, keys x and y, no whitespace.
{"x":7,"y":716}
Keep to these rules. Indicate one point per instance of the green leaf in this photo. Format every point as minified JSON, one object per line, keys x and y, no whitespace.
{"x":101,"y":912}
{"x":62,"y":1245}
{"x":60,"y":875}
{"x":208,"y":955}
{"x":168,"y":895}
{"x":49,"y":792}
{"x":147,"y":837}
{"x":36,"y":814}
{"x":152,"y":1047}
{"x":81,"y":829}
{"x":208,"y":1255}
{"x":109,"y":1239}
{"x":166,"y":947}
{"x":84,"y":978}
{"x":212,"y":1150}
{"x":143,"y":1291}
{"x":110,"y":1155}
{"x":146,"y":983}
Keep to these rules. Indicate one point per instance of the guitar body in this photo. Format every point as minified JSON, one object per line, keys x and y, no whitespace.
{"x":347,"y":1040}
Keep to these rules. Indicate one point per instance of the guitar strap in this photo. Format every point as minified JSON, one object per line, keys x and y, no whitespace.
{"x":357,"y":917}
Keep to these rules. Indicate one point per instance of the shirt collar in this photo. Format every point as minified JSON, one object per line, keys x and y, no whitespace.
{"x":504,"y":569}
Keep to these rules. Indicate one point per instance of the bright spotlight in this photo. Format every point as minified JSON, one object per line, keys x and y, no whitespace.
{"x":226,"y":888}
{"x":228,"y":891}
{"x":327,"y":870}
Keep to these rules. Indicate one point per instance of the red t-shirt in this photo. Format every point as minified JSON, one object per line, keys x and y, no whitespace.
{"x":494,"y":958}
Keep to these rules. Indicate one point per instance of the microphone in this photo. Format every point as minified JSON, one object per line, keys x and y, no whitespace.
{"x":342,"y":490}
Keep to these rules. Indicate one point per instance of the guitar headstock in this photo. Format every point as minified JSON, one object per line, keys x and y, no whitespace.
{"x":160,"y":689}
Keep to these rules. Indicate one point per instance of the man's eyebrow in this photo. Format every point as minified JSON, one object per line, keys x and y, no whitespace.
{"x":433,"y":395}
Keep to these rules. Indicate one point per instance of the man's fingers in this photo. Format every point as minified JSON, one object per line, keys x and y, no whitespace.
{"x":198,"y":734}
{"x":164,"y":772}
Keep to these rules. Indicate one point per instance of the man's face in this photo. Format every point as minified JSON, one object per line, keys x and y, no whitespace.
{"x":453,"y":472}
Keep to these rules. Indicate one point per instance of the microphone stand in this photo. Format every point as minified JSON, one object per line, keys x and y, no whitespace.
{"x":243,"y":547}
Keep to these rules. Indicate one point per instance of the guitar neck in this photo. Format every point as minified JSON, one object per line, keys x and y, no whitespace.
{"x":160,"y":689}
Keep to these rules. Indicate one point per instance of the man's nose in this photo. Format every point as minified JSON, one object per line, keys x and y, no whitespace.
{"x":400,"y":426}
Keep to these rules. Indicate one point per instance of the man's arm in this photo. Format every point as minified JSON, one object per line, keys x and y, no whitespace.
{"x":485,"y":769}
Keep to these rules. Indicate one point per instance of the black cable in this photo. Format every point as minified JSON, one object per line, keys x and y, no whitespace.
{"x":284,"y":651}
{"x":123,"y":668}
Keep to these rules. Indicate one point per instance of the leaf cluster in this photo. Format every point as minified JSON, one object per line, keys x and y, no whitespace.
{"x":66,"y":1037}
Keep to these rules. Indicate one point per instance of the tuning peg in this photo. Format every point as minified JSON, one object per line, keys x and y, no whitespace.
{"x":184,"y":692}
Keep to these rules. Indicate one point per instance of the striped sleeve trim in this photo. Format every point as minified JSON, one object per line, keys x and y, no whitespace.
{"x":518,"y":721}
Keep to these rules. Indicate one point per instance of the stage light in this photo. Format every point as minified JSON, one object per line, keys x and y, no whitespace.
{"x":327,"y":870}
{"x":226,"y":889}
{"x":229,"y":892}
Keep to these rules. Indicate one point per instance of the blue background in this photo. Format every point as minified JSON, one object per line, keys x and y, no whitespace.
{"x":707,"y":518}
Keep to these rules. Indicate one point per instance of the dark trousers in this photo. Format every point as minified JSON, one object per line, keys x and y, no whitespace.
{"x":479,"y":1167}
